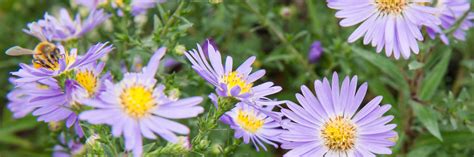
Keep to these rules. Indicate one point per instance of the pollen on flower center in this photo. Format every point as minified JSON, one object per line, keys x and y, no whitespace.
{"x":88,"y":81}
{"x":137,"y":100}
{"x":339,"y":134}
{"x":234,"y":79}
{"x":391,"y":6}
{"x":249,"y":121}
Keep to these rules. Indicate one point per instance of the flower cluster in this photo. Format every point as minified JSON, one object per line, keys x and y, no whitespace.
{"x":65,"y":84}
{"x":395,"y":25}
{"x":329,"y":123}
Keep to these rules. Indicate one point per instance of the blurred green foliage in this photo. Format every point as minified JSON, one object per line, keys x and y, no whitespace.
{"x":432,"y":93}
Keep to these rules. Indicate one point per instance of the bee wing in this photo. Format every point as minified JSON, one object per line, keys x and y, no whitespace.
{"x":17,"y":51}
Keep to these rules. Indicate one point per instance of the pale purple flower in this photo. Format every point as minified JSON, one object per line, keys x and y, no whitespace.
{"x":74,"y":148}
{"x":393,"y":25}
{"x":450,"y":11}
{"x":253,"y":125}
{"x":331,"y":124}
{"x":315,"y":52}
{"x":137,"y":107}
{"x":51,"y":102}
{"x":65,"y":28}
{"x":67,"y":62}
{"x":238,"y":83}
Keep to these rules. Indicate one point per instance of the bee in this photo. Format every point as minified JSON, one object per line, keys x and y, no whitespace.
{"x":45,"y":54}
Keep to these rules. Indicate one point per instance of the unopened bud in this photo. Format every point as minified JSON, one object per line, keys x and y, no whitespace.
{"x":180,"y":49}
{"x":174,"y":94}
{"x":285,"y":12}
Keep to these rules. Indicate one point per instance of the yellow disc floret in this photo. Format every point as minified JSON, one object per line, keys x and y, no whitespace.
{"x":391,"y":6}
{"x":137,"y":100}
{"x":88,"y":81}
{"x":249,"y":121}
{"x":339,"y":134}
{"x":234,"y":79}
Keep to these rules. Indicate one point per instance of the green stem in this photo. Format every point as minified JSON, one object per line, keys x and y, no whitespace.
{"x":458,"y":23}
{"x":206,"y":124}
{"x":172,"y":18}
{"x":279,"y":34}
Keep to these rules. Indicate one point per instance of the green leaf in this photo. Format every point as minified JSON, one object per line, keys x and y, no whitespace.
{"x":14,"y":140}
{"x":428,"y":118}
{"x":434,"y":77}
{"x":450,"y":138}
{"x":385,"y":65}
{"x":423,"y":151}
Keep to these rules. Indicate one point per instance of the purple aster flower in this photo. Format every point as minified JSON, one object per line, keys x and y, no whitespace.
{"x":330,"y":124}
{"x":315,"y":52}
{"x":450,"y":11}
{"x":74,"y":148}
{"x":237,"y":83}
{"x":65,"y":28}
{"x":390,"y":24}
{"x":52,"y":103}
{"x":252,"y":125}
{"x":65,"y":63}
{"x":138,"y":107}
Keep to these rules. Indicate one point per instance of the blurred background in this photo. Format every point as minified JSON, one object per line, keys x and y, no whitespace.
{"x":437,"y":122}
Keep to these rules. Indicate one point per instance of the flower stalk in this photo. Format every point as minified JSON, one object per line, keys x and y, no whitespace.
{"x":206,"y":124}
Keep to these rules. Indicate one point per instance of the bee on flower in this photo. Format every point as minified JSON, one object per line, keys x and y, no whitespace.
{"x":52,"y":61}
{"x":54,"y":94}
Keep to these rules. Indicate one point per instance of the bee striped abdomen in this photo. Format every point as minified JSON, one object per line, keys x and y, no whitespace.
{"x":47,"y":56}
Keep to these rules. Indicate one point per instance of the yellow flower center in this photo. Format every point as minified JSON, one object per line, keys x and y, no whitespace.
{"x":391,"y":6}
{"x":339,"y":134}
{"x":137,"y":100}
{"x":88,"y":81}
{"x":234,"y":79}
{"x":249,"y":121}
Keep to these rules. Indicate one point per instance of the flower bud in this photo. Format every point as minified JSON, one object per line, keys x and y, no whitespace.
{"x":286,"y":12}
{"x":180,"y":49}
{"x":315,"y":52}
